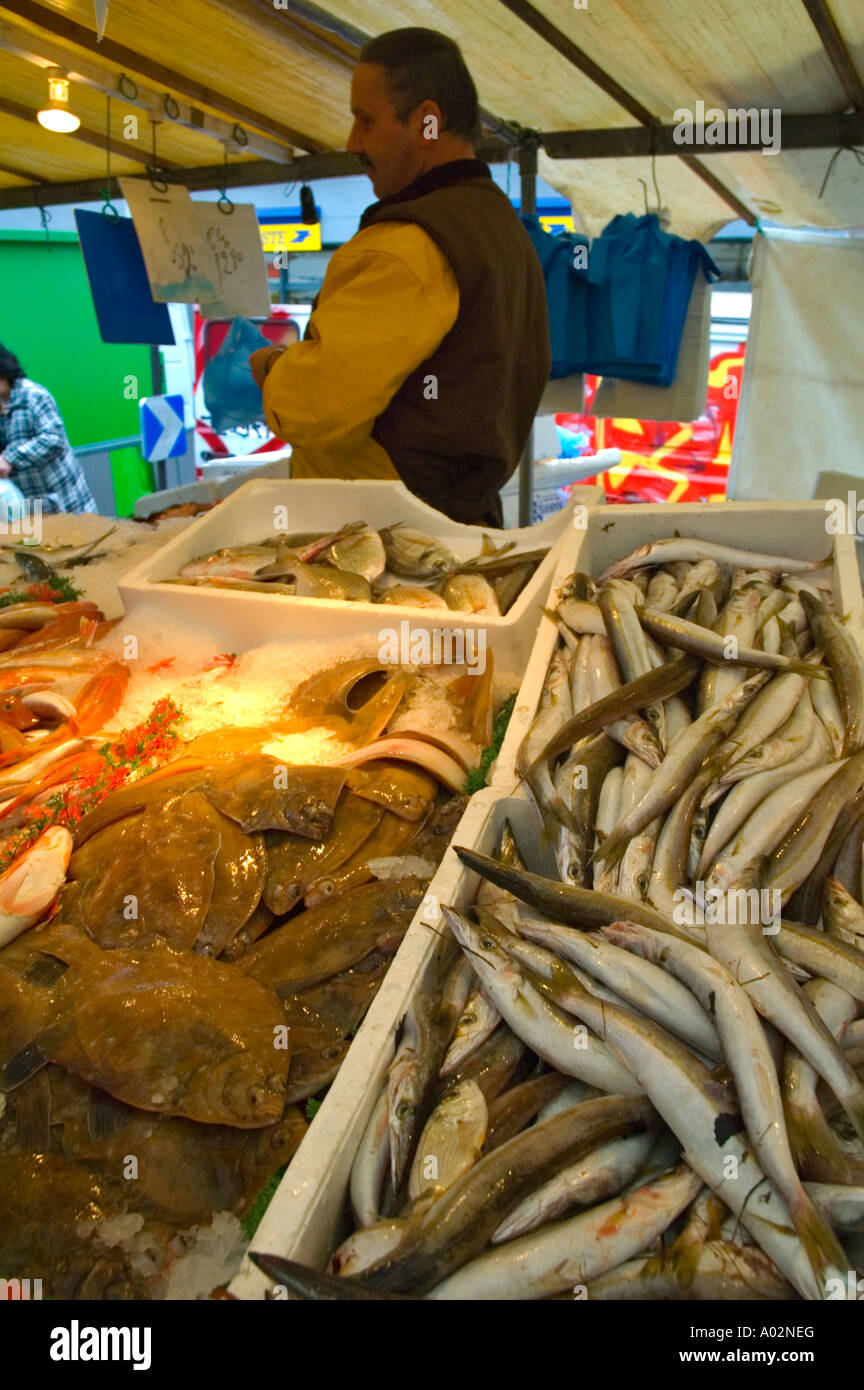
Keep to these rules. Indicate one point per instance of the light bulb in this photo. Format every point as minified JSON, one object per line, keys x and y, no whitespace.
{"x":56,"y":115}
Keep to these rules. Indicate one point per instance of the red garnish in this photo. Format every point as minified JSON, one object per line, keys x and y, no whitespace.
{"x":164,"y":665}
{"x":227,"y":660}
{"x":150,"y":743}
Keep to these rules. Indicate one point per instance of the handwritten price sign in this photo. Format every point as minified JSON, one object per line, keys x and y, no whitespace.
{"x":196,"y":254}
{"x":234,"y":261}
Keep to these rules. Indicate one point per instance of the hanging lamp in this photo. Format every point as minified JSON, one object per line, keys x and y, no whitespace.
{"x":56,"y":115}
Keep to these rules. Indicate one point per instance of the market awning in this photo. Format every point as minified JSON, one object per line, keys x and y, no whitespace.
{"x":232,"y":83}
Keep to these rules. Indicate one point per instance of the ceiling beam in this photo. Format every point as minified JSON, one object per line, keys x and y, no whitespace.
{"x":821,"y":132}
{"x":298,"y":31}
{"x":214,"y":177}
{"x":602,"y":79}
{"x":798,"y":133}
{"x":22,"y":174}
{"x":60,"y":26}
{"x":835,"y":46}
{"x":48,"y":52}
{"x":123,"y":149}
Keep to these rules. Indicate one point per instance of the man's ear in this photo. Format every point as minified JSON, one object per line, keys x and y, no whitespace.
{"x":427,"y":120}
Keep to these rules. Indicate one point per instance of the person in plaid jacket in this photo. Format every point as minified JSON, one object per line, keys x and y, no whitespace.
{"x":34,"y":450}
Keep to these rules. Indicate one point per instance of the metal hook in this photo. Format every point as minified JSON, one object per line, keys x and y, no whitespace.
{"x":224,"y":203}
{"x":109,"y":212}
{"x":170,"y":107}
{"x":842,"y":149}
{"x":45,"y":217}
{"x":157,"y":183}
{"x":124,"y":83}
{"x":239,"y":136}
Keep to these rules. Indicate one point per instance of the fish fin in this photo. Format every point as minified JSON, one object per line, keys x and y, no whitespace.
{"x":33,"y":1116}
{"x":45,"y":971}
{"x":853,"y":1104}
{"x":611,"y":851}
{"x":22,"y":1066}
{"x":824,"y":1251}
{"x":806,"y":668}
{"x":817,"y":1153}
{"x":106,"y":1116}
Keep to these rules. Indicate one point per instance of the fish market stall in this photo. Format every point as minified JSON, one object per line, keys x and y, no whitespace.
{"x":633,"y":998}
{"x":208,"y":860}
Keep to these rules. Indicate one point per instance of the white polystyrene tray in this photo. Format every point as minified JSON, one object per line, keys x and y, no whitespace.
{"x":796,"y":529}
{"x":309,"y":1213}
{"x":213,"y":488}
{"x":322,"y":504}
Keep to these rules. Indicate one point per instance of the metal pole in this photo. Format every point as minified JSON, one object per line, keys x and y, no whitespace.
{"x":528,"y":200}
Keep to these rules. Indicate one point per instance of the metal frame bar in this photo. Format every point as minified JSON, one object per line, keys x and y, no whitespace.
{"x":835,"y":47}
{"x":798,"y":133}
{"x":528,"y":207}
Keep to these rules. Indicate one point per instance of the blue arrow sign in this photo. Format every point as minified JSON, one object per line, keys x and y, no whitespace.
{"x":162,"y":427}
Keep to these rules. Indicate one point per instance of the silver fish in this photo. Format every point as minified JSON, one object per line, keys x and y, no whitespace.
{"x":413,"y":555}
{"x":575,"y":1251}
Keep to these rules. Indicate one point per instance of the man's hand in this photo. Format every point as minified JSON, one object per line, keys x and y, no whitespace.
{"x":5,"y":468}
{"x":262,"y":360}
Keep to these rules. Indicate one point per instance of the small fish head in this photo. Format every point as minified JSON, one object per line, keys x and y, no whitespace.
{"x":485,"y":947}
{"x":236,"y":1093}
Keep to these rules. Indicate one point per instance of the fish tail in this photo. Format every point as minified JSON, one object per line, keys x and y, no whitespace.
{"x":824,"y":1251}
{"x":817,"y":1153}
{"x":806,"y":668}
{"x":853,"y":1104}
{"x":610,"y":851}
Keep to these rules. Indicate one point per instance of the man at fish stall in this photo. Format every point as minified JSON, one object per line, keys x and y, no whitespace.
{"x":428,"y":347}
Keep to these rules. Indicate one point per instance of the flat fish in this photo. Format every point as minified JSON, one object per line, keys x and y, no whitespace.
{"x":407,"y":791}
{"x":294,"y":862}
{"x":161,"y":1030}
{"x":256,"y":791}
{"x":327,"y":939}
{"x":160,"y":884}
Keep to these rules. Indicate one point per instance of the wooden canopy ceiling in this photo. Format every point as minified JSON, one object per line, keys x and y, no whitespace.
{"x":238,"y":92}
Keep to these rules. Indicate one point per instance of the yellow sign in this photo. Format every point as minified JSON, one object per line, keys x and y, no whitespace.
{"x":291,"y":236}
{"x":557,"y":222}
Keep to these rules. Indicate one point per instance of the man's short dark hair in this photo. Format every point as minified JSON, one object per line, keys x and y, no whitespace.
{"x":423,"y":65}
{"x":10,"y":368}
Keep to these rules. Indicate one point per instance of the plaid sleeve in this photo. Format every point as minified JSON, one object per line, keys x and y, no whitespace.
{"x":47,"y":439}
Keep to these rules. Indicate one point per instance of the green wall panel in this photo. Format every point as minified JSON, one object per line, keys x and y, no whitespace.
{"x":47,"y":319}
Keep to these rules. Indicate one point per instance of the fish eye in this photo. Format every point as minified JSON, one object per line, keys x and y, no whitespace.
{"x":330,"y":1053}
{"x":488,"y":944}
{"x":404,"y":1110}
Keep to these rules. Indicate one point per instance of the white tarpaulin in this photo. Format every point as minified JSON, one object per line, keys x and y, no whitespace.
{"x":802,"y":402}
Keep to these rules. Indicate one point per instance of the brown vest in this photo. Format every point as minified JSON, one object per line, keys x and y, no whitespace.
{"x":457,"y":426}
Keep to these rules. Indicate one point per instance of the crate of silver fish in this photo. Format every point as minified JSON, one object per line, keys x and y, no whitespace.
{"x":636,"y":1002}
{"x":284,"y":558}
